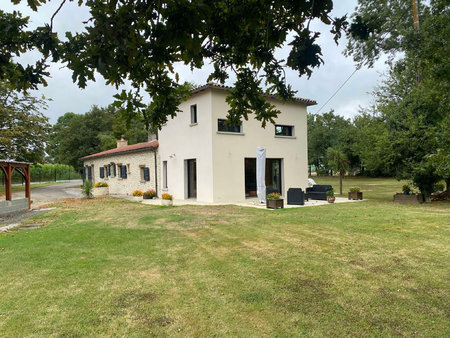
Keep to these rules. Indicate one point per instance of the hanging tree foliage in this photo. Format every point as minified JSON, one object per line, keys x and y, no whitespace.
{"x":142,"y":40}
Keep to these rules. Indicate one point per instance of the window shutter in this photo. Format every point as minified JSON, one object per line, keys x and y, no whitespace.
{"x":89,"y":173}
{"x":146,"y":174}
{"x":108,"y":171}
{"x":123,"y":171}
{"x":102,"y":172}
{"x":114,"y":169}
{"x":83,"y":173}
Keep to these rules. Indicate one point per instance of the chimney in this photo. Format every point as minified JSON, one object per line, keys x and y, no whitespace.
{"x":122,"y":143}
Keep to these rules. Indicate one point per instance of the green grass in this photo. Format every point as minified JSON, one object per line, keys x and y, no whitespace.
{"x":116,"y":268}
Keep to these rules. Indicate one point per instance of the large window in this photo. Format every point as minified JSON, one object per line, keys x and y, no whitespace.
{"x":281,"y":130}
{"x":164,"y":174}
{"x":223,"y":126}
{"x":194,"y":114}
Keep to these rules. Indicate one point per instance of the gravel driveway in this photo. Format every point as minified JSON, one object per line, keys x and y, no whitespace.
{"x":52,"y":193}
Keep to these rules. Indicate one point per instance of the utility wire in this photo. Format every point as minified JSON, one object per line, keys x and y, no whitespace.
{"x":337,"y":90}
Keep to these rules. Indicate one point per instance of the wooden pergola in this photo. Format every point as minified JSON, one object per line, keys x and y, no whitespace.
{"x":23,"y":168}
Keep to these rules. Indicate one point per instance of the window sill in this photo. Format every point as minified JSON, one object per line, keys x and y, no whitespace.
{"x":193,"y":124}
{"x":230,"y":133}
{"x":281,"y":136}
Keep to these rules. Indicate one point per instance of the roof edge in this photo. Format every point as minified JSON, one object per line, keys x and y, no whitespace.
{"x":89,"y":157}
{"x":214,"y":85}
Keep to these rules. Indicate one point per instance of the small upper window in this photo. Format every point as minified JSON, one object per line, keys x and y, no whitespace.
{"x":284,"y":130}
{"x":193,"y":114}
{"x":222,"y":125}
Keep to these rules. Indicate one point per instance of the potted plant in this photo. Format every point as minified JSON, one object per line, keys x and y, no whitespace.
{"x":167,"y":199}
{"x":149,"y":194}
{"x":137,"y":195}
{"x":274,"y":201}
{"x":330,"y":196}
{"x":355,"y":193}
{"x":100,"y":189}
{"x":408,"y":196}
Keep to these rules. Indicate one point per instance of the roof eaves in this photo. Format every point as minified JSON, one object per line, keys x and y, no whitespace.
{"x":89,"y":157}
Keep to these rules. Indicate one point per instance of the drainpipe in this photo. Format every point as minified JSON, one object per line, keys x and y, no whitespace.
{"x":156,"y":174}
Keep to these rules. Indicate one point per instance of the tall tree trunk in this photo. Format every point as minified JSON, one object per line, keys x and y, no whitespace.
{"x":341,"y":175}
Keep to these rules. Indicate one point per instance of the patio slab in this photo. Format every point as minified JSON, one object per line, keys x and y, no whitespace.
{"x":252,"y":202}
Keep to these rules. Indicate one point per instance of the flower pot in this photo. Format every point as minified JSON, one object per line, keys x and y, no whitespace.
{"x":357,"y":195}
{"x":275,"y":204}
{"x":167,"y":202}
{"x":408,"y":199}
{"x":331,"y":199}
{"x":103,"y":191}
{"x":137,"y":198}
{"x":147,"y":197}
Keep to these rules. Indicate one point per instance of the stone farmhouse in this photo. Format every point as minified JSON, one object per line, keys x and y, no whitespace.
{"x":199,"y":156}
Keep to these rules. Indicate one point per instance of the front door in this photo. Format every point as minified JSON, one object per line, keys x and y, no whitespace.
{"x":192,"y":178}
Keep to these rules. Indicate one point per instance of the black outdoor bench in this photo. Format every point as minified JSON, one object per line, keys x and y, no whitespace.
{"x":318,"y":192}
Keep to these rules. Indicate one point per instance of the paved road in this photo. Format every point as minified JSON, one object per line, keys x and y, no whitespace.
{"x":52,"y":193}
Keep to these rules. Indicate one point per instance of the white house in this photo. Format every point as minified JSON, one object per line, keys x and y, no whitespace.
{"x":198,"y":156}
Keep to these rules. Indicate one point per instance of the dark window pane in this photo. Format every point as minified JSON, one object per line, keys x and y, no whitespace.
{"x":223,"y":126}
{"x":283,"y":130}
{"x":194,"y":113}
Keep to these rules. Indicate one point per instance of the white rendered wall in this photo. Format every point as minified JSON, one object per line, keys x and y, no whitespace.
{"x":230,"y":150}
{"x":180,"y":141}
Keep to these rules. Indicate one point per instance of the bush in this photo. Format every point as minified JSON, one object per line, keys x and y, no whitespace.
{"x":406,"y":188}
{"x":100,"y":185}
{"x":273,"y":196}
{"x":355,"y":189}
{"x":167,"y":196}
{"x":137,"y":193}
{"x":330,"y":193}
{"x":86,"y":189}
{"x":149,"y":193}
{"x":438,"y":187}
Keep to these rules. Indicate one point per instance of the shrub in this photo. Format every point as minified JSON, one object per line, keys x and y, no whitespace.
{"x":406,"y":189}
{"x":273,"y":196}
{"x":330,"y":193}
{"x":100,"y":185}
{"x":355,"y":189}
{"x":137,"y":193}
{"x":167,"y":196}
{"x":439,"y":187}
{"x":149,"y":193}
{"x":86,"y":189}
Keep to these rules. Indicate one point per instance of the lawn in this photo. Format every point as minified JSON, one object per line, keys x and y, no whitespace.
{"x":115,"y":268}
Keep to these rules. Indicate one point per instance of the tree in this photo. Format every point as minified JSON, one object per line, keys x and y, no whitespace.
{"x":142,"y":40}
{"x":23,"y":126}
{"x":414,"y":99}
{"x":78,"y":135}
{"x":339,"y":162}
{"x":325,"y":131}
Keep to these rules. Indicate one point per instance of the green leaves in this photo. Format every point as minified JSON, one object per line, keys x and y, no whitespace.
{"x":141,"y":41}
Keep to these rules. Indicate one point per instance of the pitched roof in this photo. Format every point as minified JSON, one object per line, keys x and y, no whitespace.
{"x":215,"y":85}
{"x":125,"y":149}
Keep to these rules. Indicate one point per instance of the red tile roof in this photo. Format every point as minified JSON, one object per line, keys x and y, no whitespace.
{"x":125,"y":149}
{"x":215,"y":85}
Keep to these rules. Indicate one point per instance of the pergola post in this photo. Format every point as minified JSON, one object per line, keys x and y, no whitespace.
{"x":8,"y":170}
{"x":27,"y":184}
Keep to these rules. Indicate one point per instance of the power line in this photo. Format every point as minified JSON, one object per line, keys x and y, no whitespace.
{"x":337,"y":90}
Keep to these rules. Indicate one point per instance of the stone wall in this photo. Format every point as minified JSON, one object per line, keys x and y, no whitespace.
{"x":134,"y":161}
{"x":13,"y":207}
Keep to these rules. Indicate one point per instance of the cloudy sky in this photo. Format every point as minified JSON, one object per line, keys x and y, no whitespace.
{"x":66,"y":96}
